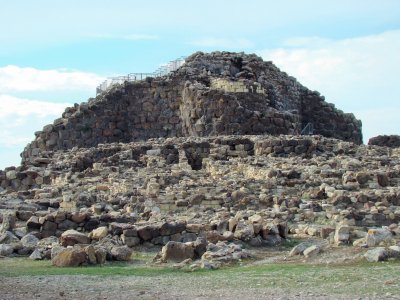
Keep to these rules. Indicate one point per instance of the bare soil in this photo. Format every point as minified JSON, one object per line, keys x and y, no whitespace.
{"x":337,"y":273}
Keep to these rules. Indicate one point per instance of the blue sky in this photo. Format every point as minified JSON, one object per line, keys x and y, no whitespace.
{"x":54,"y":53}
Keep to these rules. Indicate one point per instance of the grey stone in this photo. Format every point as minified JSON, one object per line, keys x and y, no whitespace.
{"x":376,"y":236}
{"x":342,"y":234}
{"x":36,"y":255}
{"x":130,"y":241}
{"x":29,"y":241}
{"x":8,"y":223}
{"x":69,"y":257}
{"x":72,"y":237}
{"x":376,"y":254}
{"x":300,"y":248}
{"x":177,"y":252}
{"x":394,"y":251}
{"x":8,"y":238}
{"x":121,"y":253}
{"x":6,"y":250}
{"x":312,"y":251}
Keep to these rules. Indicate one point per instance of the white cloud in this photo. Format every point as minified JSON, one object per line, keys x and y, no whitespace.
{"x":236,"y":43}
{"x":18,"y":79}
{"x":20,"y":118}
{"x":359,"y":75}
{"x":19,"y":109}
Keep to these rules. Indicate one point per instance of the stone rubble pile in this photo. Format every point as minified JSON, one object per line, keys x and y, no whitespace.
{"x":173,"y":192}
{"x":201,"y":163}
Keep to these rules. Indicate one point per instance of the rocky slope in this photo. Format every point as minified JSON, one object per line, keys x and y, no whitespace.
{"x":252,"y":189}
{"x":198,"y":162}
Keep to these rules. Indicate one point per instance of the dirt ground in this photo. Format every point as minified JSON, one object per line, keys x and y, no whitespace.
{"x":334,"y":274}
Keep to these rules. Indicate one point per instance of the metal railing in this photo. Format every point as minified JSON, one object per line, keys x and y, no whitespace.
{"x":308,"y":129}
{"x":163,"y":70}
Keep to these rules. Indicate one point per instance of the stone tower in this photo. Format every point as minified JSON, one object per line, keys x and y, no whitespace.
{"x":218,"y":93}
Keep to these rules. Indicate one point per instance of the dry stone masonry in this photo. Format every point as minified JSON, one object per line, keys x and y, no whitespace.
{"x":211,"y":94}
{"x":202,"y":164}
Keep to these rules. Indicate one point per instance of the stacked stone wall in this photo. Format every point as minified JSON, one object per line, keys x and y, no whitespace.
{"x":230,"y":94}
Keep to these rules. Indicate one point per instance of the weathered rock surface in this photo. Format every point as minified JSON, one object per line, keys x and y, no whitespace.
{"x":121,"y":253}
{"x":392,"y":141}
{"x":376,"y":236}
{"x":376,"y":254}
{"x":72,"y":237}
{"x":211,"y":94}
{"x":6,"y":249}
{"x":177,"y":162}
{"x":177,"y":252}
{"x":70,"y":257}
{"x":99,"y":233}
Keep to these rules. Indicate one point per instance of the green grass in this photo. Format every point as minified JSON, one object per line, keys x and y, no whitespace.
{"x":25,"y":267}
{"x":355,"y":279}
{"x":290,"y":243}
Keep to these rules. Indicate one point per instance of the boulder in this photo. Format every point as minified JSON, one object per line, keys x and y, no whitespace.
{"x":148,"y":232}
{"x":172,"y":228}
{"x":244,"y":231}
{"x":66,"y":225}
{"x":379,"y":235}
{"x":33,"y":223}
{"x":200,"y":246}
{"x":300,"y":248}
{"x":383,"y":179}
{"x":24,"y":215}
{"x":69,"y":257}
{"x":394,"y":251}
{"x":8,"y":223}
{"x":29,"y":241}
{"x":130,"y":232}
{"x":196,"y":199}
{"x":342,"y":234}
{"x":36,"y":255}
{"x":256,"y":241}
{"x":210,"y":265}
{"x":362,"y":178}
{"x":91,"y":254}
{"x":49,"y":229}
{"x":130,"y":241}
{"x":78,"y":217}
{"x":223,"y":252}
{"x":8,"y":238}
{"x":311,"y":251}
{"x":376,"y":254}
{"x":101,"y":254}
{"x":55,"y":250}
{"x":121,"y":253}
{"x":48,"y":242}
{"x":6,"y":250}
{"x":99,"y":233}
{"x":11,"y":175}
{"x":72,"y":237}
{"x":177,"y":252}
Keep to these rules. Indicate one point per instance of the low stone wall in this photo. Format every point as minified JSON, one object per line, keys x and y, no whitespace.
{"x":125,"y":228}
{"x":392,"y":141}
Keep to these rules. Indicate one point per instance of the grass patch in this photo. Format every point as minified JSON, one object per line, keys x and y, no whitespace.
{"x":290,"y":243}
{"x":25,"y":267}
{"x":354,"y":279}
